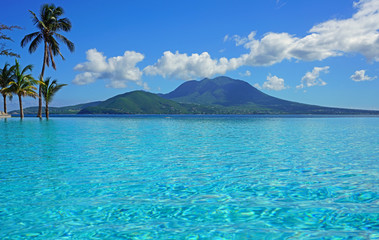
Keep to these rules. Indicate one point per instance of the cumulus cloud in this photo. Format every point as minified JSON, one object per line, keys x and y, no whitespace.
{"x":242,"y":40}
{"x":311,"y":79}
{"x":272,"y":83}
{"x":360,"y":75}
{"x":86,"y":78}
{"x":182,"y":66}
{"x":272,"y":48}
{"x":119,"y":70}
{"x":358,"y":34}
{"x":335,"y":37}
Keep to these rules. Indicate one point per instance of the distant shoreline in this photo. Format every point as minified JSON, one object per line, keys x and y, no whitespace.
{"x":206,"y":115}
{"x":219,"y":96}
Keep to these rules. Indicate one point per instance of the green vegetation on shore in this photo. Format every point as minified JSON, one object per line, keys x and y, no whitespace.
{"x":14,"y":80}
{"x":49,"y":89}
{"x":22,"y":84}
{"x":221,"y":95}
{"x":49,"y":24}
{"x":5,"y":79}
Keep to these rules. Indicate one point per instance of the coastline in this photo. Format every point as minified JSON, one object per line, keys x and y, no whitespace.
{"x":4,"y":115}
{"x":205,"y":115}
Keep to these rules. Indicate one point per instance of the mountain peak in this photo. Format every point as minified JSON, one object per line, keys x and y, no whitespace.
{"x":220,"y":95}
{"x":221,"y":80}
{"x":220,"y":91}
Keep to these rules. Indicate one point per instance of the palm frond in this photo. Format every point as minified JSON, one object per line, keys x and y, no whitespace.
{"x":34,"y":18}
{"x":39,"y":23}
{"x":28,"y":67}
{"x":6,"y":65}
{"x":67,"y":42}
{"x":49,"y":89}
{"x":16,"y":68}
{"x":45,"y":16}
{"x":64,"y":24}
{"x":5,"y":75}
{"x":53,"y":45}
{"x":22,"y":83}
{"x":45,"y":11}
{"x":58,"y":11}
{"x":34,"y":44}
{"x":49,"y":22}
{"x":28,"y":38}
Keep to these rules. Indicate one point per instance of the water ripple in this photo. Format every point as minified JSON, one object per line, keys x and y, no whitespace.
{"x":190,"y":178}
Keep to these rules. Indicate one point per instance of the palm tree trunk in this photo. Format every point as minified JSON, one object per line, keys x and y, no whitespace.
{"x":5,"y":103}
{"x":47,"y":111}
{"x":21,"y":110}
{"x":41,"y":79}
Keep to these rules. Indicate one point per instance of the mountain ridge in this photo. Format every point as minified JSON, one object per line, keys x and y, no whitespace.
{"x":238,"y":93}
{"x":221,"y":95}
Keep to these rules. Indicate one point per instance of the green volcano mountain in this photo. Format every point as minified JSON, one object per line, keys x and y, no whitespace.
{"x":236,"y":94}
{"x":141,"y":102}
{"x":221,"y":95}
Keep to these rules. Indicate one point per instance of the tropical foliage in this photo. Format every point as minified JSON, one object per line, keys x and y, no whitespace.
{"x":6,"y":75}
{"x":49,"y":24}
{"x":3,"y":38}
{"x":49,"y":89}
{"x":22,"y":84}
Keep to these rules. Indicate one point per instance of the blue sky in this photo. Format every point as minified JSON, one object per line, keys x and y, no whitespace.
{"x":316,"y":51}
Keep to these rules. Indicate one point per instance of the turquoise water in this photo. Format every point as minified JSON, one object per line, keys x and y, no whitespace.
{"x":189,"y":178}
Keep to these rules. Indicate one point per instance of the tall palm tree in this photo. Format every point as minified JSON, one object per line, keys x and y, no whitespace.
{"x":49,"y":89}
{"x":22,"y":84}
{"x":49,"y":24}
{"x":6,"y":75}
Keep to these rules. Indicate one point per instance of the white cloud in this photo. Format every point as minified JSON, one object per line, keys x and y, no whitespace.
{"x":247,"y":73}
{"x":237,"y":39}
{"x":360,"y":75}
{"x":272,"y":48}
{"x":145,"y":86}
{"x":182,"y":66}
{"x":272,"y":83}
{"x":241,"y":40}
{"x":119,"y":70}
{"x":311,"y":79}
{"x":336,"y":37}
{"x":256,"y":85}
{"x":86,"y":78}
{"x":358,"y":34}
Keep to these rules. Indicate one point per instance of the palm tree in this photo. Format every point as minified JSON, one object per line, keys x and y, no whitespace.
{"x":22,"y":84}
{"x":49,"y":25}
{"x":49,"y":89}
{"x":5,"y":78}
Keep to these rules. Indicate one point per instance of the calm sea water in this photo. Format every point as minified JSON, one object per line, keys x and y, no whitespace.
{"x":189,"y":178}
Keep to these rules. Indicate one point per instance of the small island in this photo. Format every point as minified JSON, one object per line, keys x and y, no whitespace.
{"x":220,"y":95}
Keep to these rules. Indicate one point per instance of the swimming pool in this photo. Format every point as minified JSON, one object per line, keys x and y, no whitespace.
{"x":194,"y":177}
